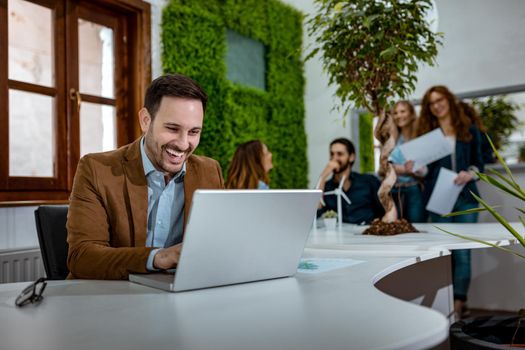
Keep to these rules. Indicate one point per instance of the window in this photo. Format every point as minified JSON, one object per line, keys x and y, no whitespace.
{"x":245,"y":60}
{"x":72,"y":75}
{"x":503,"y":116}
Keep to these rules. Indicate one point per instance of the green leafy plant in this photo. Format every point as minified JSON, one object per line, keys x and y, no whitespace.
{"x":371,"y":50}
{"x":330,"y":214}
{"x":499,"y":116}
{"x":508,"y":185}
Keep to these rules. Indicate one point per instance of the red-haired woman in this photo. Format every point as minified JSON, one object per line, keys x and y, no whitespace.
{"x":440,"y":109}
{"x":250,"y":166}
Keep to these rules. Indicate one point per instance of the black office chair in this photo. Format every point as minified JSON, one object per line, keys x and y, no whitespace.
{"x":52,"y":237}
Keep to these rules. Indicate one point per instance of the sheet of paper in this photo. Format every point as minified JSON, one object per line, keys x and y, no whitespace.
{"x":318,"y":265}
{"x":445,"y":193}
{"x":426,"y":148}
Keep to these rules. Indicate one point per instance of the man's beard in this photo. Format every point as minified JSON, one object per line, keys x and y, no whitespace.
{"x":343,"y":168}
{"x":164,"y":162}
{"x":160,"y":160}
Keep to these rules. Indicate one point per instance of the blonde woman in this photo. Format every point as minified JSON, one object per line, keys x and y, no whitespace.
{"x":407,"y":190}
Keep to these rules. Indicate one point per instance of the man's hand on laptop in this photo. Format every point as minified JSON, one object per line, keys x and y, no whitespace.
{"x":167,"y":258}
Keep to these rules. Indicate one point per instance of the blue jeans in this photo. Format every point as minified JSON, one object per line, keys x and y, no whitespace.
{"x":409,"y":203}
{"x":460,"y":258}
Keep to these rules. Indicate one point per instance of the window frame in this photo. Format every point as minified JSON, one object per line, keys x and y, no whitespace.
{"x":136,"y":45}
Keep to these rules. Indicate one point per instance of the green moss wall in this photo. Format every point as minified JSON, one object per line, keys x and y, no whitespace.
{"x":366,"y":142}
{"x":194,"y":43}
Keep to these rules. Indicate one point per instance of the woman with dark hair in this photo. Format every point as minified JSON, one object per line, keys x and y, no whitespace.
{"x":440,"y":109}
{"x":250,"y":166}
{"x":407,"y":189}
{"x":486,"y":150}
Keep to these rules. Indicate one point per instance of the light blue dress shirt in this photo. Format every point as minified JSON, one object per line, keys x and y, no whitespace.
{"x":262,"y":185}
{"x":165,"y":207}
{"x":397,"y":157}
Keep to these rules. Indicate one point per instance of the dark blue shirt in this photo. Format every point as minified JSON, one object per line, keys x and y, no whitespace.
{"x":365,"y":205}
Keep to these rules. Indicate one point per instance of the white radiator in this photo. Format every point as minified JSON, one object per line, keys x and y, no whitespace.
{"x":21,"y":265}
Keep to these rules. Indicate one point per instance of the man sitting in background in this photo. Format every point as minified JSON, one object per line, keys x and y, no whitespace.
{"x":360,"y":189}
{"x":128,"y":207}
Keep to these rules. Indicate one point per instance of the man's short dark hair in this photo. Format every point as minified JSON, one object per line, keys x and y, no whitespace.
{"x":344,"y":141}
{"x":174,"y":85}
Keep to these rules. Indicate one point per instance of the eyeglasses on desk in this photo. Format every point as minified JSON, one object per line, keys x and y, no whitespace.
{"x":32,"y":294}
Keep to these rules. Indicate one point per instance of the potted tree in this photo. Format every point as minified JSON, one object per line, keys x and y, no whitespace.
{"x":371,"y":50}
{"x":491,"y":332}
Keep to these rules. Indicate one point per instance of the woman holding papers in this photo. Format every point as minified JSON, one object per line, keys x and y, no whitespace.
{"x":440,"y":109}
{"x":250,"y":166}
{"x":407,"y":190}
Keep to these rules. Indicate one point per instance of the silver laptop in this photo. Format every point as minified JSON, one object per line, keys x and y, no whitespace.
{"x":238,"y":236}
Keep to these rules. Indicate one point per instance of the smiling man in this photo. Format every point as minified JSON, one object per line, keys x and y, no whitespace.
{"x":128,"y":207}
{"x":360,"y":189}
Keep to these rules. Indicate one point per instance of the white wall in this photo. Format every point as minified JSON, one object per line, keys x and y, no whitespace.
{"x":483,"y":47}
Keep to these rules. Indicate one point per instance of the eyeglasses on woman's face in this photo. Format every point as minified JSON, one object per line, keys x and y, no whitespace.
{"x":438,"y":104}
{"x":437,"y":101}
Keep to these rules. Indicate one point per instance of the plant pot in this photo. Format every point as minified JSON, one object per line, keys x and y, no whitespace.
{"x":330,"y":223}
{"x":488,"y":332}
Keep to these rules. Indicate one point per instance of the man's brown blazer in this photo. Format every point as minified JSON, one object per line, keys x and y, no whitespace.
{"x":107,"y":218}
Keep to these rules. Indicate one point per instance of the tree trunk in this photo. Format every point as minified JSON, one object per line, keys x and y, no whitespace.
{"x":386,"y":132}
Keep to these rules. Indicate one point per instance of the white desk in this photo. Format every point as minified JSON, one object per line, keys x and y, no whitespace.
{"x":340,"y":309}
{"x":430,"y":239}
